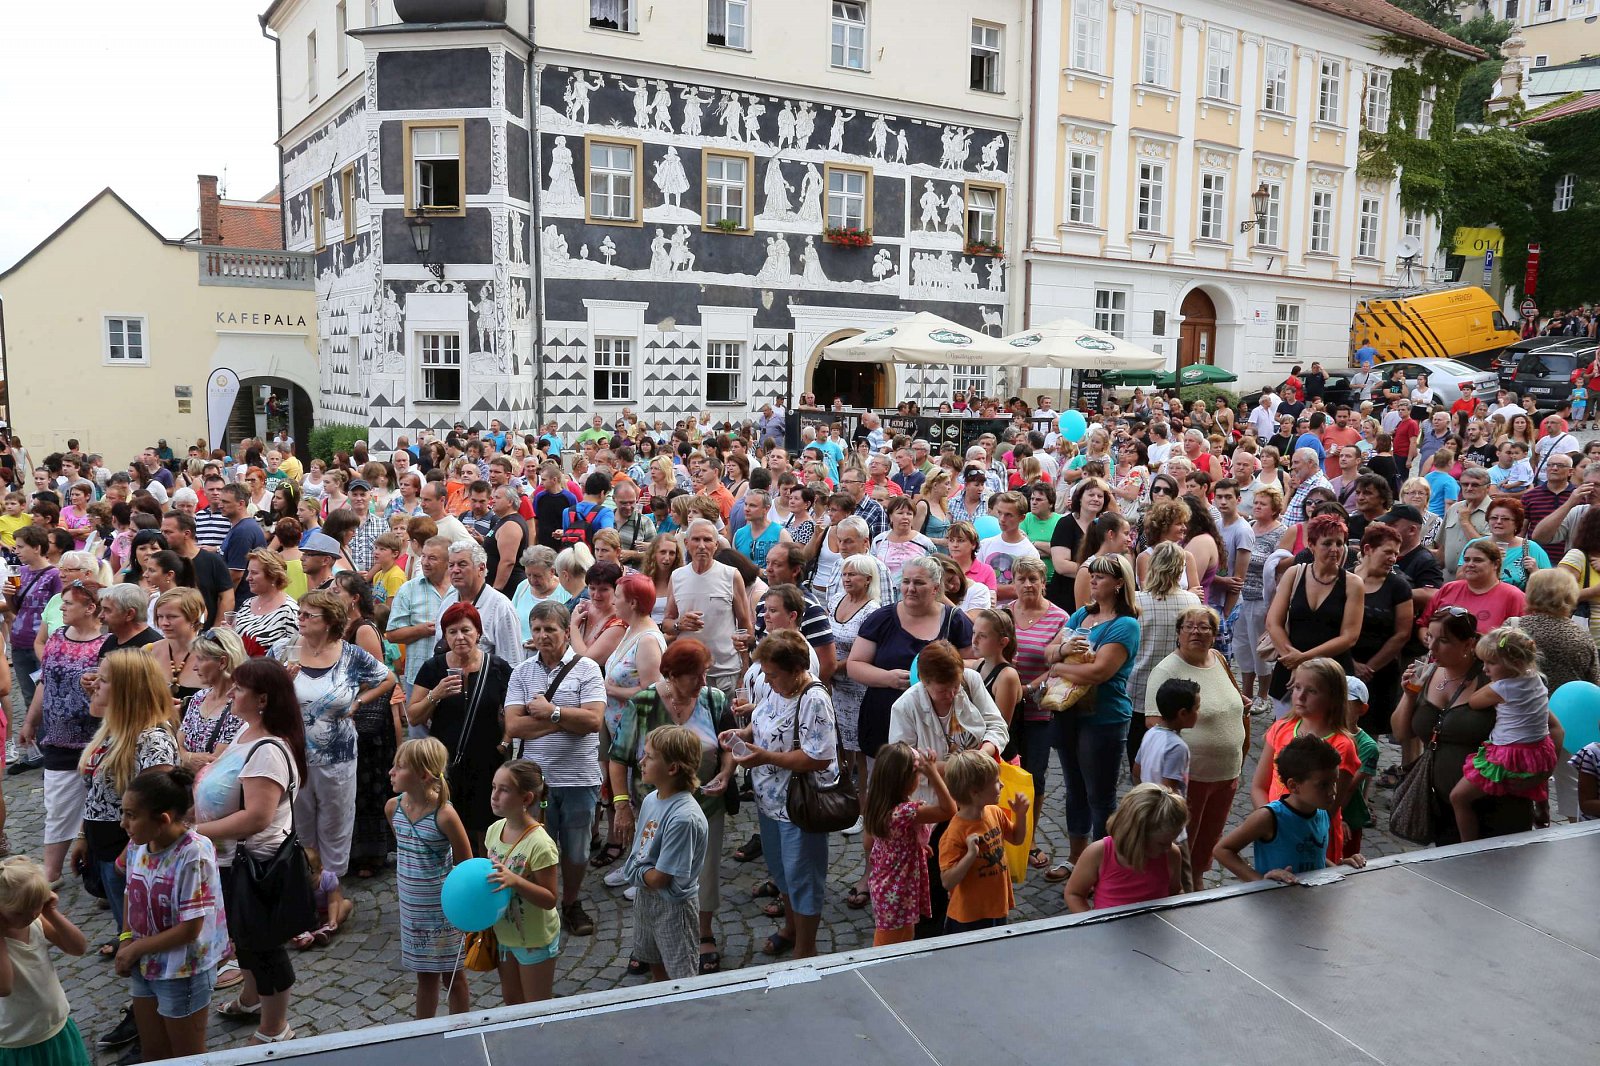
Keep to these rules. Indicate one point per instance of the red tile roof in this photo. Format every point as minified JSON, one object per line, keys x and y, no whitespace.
{"x":1564,"y":108}
{"x":249,"y":225}
{"x":1385,"y":16}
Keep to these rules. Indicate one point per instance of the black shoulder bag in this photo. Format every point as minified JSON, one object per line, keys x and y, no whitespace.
{"x":270,"y":901}
{"x":813,"y":808}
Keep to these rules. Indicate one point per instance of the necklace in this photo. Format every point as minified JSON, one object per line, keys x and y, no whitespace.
{"x":1318,"y":580}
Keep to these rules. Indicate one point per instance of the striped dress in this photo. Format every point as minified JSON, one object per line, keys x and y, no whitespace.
{"x":428,"y":942}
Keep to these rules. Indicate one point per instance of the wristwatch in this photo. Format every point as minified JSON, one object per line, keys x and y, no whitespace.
{"x":555,"y":716}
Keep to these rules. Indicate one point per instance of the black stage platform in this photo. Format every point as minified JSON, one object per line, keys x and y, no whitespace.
{"x":1481,"y":953}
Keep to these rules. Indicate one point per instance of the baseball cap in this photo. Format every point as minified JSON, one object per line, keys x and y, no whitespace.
{"x":1402,"y":512}
{"x":358,"y":484}
{"x":321,"y":544}
{"x":1356,"y":690}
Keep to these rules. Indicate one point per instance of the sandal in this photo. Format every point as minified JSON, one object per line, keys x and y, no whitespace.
{"x":777,"y":944}
{"x":775,"y":910}
{"x":710,"y":961}
{"x":750,"y":851}
{"x":234,"y":1009}
{"x":324,"y":936}
{"x":108,"y":950}
{"x":1391,"y":777}
{"x":1056,"y":874}
{"x":303,"y":941}
{"x":766,"y":890}
{"x":1039,"y":859}
{"x":857,"y":898}
{"x":285,"y":1033}
{"x":637,"y":969}
{"x":608,"y":854}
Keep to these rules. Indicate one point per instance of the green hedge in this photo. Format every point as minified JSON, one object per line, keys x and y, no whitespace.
{"x":331,"y":437}
{"x":1210,"y":394}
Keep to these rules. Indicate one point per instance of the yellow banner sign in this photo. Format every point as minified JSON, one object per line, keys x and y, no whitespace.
{"x":1473,"y":241}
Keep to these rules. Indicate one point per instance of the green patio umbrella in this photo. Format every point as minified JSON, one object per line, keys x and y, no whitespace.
{"x":1119,"y":378}
{"x":1196,"y":374}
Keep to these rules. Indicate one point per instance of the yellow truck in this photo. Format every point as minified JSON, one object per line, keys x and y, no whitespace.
{"x":1439,"y":323}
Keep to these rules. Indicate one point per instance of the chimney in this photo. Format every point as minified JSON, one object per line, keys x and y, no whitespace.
{"x":210,"y":210}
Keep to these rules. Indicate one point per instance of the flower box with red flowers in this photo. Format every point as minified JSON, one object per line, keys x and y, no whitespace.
{"x":985,"y":248}
{"x":847,"y":236}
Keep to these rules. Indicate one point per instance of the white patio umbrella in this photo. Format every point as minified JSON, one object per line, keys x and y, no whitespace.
{"x":1067,"y":345}
{"x":925,"y":338}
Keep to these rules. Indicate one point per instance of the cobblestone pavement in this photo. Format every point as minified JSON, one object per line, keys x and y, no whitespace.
{"x":356,"y":980}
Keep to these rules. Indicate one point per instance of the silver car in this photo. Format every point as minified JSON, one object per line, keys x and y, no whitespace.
{"x":1445,"y":376}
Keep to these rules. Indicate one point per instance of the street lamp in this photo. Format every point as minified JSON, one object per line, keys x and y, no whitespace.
{"x":1258,"y":205}
{"x":422,"y":243}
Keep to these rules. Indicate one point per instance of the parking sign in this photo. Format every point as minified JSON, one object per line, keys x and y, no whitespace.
{"x":1488,"y":265}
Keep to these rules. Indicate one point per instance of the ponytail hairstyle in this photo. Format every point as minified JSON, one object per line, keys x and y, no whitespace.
{"x":529,"y":779}
{"x":428,"y":757}
{"x":165,"y":791}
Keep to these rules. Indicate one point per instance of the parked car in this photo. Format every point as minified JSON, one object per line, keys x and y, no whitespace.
{"x":1543,"y":376}
{"x":1505,"y":363}
{"x":1445,"y":376}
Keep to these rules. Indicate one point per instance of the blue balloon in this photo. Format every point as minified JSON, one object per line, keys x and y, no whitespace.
{"x":1073,"y":425}
{"x":986,"y":526}
{"x":470,"y":902}
{"x":1576,"y":706}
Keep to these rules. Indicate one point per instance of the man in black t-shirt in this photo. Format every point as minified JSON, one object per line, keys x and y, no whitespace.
{"x":122,"y":609}
{"x":211,"y":576}
{"x":1417,"y":564}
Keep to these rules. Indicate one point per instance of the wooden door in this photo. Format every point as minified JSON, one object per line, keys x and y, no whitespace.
{"x":1197,"y":336}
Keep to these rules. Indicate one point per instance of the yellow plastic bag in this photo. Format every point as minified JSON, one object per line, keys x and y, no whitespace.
{"x":1013,"y":780}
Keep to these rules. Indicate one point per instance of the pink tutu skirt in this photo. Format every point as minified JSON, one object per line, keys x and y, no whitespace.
{"x":1513,"y":769}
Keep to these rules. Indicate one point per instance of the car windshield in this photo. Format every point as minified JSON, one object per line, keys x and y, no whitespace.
{"x":1456,"y":369}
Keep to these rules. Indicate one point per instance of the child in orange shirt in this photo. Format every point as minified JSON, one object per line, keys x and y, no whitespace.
{"x":1318,"y":697}
{"x":972,"y":854}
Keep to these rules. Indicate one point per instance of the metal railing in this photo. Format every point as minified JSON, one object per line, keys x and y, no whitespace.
{"x":259,"y":268}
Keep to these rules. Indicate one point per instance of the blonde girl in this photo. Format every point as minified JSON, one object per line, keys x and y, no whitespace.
{"x":525,"y":861}
{"x":1318,"y":702}
{"x":36,"y":1024}
{"x":429,"y":840}
{"x":1519,"y":755}
{"x":1138,"y":859}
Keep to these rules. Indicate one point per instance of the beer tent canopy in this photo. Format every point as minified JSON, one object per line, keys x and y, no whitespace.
{"x":1067,"y":345}
{"x":922,"y":338}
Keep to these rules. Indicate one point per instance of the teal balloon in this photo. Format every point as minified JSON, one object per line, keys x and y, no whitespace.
{"x":1073,"y":425}
{"x":1576,"y":706}
{"x":470,"y":902}
{"x":914,"y":669}
{"x":986,"y":526}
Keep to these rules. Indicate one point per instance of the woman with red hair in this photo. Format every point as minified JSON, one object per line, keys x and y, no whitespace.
{"x":457,"y":697}
{"x":633,"y":666}
{"x":1316,"y":611}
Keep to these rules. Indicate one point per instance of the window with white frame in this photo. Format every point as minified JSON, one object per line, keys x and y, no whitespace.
{"x":983,"y":215}
{"x":1213,"y":205}
{"x":1511,"y":10}
{"x":1275,"y":82}
{"x":1330,"y":76}
{"x":1367,"y":222}
{"x":1415,"y":224}
{"x":614,"y":15}
{"x":849,"y":30}
{"x":1155,"y":67}
{"x":1083,"y":174}
{"x":724,"y":372}
{"x":436,"y":168}
{"x":613,"y":370}
{"x":1111,"y":311}
{"x":1543,"y":6}
{"x":727,"y":190}
{"x":728,"y":23}
{"x":973,"y":381}
{"x":311,"y":65}
{"x":1088,"y":35}
{"x":847,"y":198}
{"x":125,"y":341}
{"x":1219,"y":63}
{"x":1321,"y":222}
{"x":1150,"y":215}
{"x":1541,"y":61}
{"x":1286,"y":333}
{"x":341,"y":23}
{"x":1424,"y":117}
{"x":439,"y":359}
{"x":1270,"y":233}
{"x":613,"y":172}
{"x":1566,"y":185}
{"x":1378,"y":92}
{"x":986,"y":39}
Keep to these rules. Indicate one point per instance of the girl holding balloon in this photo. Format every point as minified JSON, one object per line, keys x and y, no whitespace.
{"x":526,"y":861}
{"x":430,"y":839}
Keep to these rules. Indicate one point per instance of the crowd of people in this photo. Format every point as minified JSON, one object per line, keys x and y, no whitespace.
{"x":580,"y":657}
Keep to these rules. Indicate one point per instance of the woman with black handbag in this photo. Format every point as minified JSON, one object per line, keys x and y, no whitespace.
{"x":792,"y":748}
{"x":244,"y":800}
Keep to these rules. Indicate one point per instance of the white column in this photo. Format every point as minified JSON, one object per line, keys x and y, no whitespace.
{"x":1122,"y":47}
{"x":1183,"y":177}
{"x":1244,"y":173}
{"x":1046,"y":135}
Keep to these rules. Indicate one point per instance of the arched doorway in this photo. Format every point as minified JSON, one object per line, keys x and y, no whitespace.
{"x":860,"y":384}
{"x":1197,"y":335}
{"x":266,"y":406}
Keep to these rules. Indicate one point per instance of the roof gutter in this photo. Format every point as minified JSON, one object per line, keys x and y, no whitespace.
{"x":277,"y":67}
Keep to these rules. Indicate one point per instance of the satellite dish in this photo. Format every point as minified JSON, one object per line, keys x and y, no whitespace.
{"x":1409,"y":247}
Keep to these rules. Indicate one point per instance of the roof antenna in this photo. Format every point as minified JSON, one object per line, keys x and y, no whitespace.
{"x":222,"y":186}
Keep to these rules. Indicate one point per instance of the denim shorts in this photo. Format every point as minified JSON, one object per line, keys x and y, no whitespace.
{"x":797,"y":862}
{"x":532,"y":956}
{"x":569,"y":818}
{"x":176,"y":997}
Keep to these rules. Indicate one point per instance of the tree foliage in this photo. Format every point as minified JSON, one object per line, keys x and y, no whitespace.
{"x":1569,"y":260}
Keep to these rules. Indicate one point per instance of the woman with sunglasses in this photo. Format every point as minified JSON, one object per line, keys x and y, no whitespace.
{"x":1479,"y":589}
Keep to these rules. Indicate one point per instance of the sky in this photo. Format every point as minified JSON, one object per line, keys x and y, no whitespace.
{"x":141,"y":97}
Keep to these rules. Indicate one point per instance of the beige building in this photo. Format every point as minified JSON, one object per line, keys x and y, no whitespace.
{"x":1554,"y":32}
{"x":112,"y":331}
